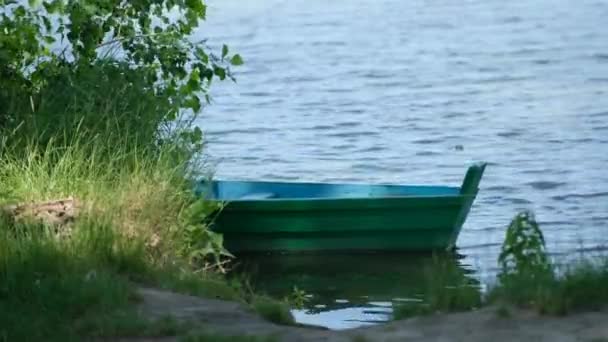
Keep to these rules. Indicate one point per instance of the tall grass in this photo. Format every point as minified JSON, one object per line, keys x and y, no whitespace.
{"x":49,"y":285}
{"x":129,"y":230}
{"x":447,"y":288}
{"x":138,"y":196}
{"x":580,"y":287}
{"x":135,"y":199}
{"x":107,"y":100}
{"x":528,"y":278}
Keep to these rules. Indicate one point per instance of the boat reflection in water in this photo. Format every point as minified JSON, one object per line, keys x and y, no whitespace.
{"x":349,"y":290}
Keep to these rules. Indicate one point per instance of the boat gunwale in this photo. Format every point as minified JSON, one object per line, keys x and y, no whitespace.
{"x":284,"y":182}
{"x":456,"y":192}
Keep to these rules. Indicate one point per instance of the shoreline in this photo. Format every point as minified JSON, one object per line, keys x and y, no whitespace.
{"x":211,"y":317}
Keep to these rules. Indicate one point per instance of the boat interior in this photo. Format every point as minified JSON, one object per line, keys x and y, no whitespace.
{"x":251,"y":190}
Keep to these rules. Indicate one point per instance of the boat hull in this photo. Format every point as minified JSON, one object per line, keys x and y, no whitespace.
{"x":410,"y":223}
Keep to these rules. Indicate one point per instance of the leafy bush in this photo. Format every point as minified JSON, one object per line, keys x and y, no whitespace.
{"x":523,"y":251}
{"x":97,"y":101}
{"x":526,"y":275}
{"x":127,"y":65}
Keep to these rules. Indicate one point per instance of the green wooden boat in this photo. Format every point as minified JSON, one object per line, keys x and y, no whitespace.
{"x":277,"y":216}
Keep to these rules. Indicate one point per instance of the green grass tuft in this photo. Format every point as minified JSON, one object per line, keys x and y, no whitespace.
{"x":582,"y":287}
{"x":272,"y":310}
{"x":528,"y":278}
{"x":447,"y":289}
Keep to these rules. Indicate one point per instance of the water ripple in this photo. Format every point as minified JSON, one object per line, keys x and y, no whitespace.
{"x":545,"y":185}
{"x":582,"y":196}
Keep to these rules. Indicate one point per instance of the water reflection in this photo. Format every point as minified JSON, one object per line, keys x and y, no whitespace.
{"x":349,"y":290}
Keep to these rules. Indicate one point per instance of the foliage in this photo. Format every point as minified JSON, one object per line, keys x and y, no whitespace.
{"x":142,"y":48}
{"x":151,"y":199}
{"x":297,"y":298}
{"x":523,"y":251}
{"x":97,"y":101}
{"x":105,"y":101}
{"x":45,"y":286}
{"x":582,"y":287}
{"x":198,"y":242}
{"x":526,"y":275}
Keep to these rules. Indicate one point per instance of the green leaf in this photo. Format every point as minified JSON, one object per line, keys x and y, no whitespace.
{"x":53,"y":6}
{"x":197,"y":135}
{"x":197,"y":6}
{"x":47,"y":23}
{"x":20,"y":11}
{"x":220,"y":72}
{"x":195,"y":104}
{"x":207,"y":73}
{"x":224,"y":51}
{"x":236,"y":60}
{"x":193,"y":84}
{"x":201,"y":54}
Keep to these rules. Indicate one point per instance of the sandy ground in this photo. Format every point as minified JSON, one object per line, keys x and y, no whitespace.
{"x":231,"y":318}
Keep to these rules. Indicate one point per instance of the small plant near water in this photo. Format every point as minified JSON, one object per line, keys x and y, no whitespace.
{"x":199,"y":244}
{"x":272,"y":310}
{"x":523,"y":259}
{"x":447,"y":289}
{"x":298,"y":298}
{"x":527,"y":278}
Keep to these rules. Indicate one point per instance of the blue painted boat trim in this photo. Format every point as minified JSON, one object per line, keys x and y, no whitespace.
{"x":232,"y":191}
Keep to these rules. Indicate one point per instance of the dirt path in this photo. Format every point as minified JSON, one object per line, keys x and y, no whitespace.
{"x":231,"y":318}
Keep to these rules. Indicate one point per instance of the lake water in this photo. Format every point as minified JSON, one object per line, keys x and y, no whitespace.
{"x":395,"y":91}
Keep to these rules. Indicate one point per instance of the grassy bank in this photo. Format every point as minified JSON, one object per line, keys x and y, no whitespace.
{"x":138,"y":224}
{"x":581,"y":286}
{"x":130,"y":229}
{"x":527,"y":279}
